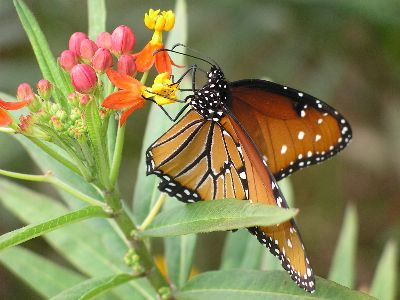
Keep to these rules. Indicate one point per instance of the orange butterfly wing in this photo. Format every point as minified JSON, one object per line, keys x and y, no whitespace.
{"x":291,"y":129}
{"x":198,"y":159}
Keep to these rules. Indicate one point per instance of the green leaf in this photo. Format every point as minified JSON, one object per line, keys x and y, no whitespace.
{"x":29,"y":232}
{"x":344,"y":261}
{"x":41,"y":274}
{"x":45,"y":58}
{"x":99,"y":148}
{"x":242,"y":251}
{"x":216,"y":215}
{"x":384,"y":284}
{"x":91,"y":247}
{"x":93,"y":287}
{"x":146,"y":192}
{"x":97,"y":17}
{"x":259,"y":285}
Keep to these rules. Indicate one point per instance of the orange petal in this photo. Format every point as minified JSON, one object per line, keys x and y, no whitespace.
{"x":5,"y":119}
{"x":163,"y":62}
{"x":123,"y":81}
{"x":122,"y":99}
{"x":145,"y":58}
{"x":126,"y":113}
{"x":13,"y":105}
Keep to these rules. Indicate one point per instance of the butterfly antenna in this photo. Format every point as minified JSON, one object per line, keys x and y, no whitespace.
{"x":185,"y":54}
{"x":198,"y":52}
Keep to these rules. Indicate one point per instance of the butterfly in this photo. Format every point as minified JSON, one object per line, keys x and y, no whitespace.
{"x":236,"y":140}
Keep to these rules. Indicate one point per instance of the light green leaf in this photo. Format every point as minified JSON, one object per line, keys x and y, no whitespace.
{"x":26,"y":233}
{"x":242,"y":251}
{"x":344,"y":261}
{"x":45,"y":58}
{"x":97,"y":17}
{"x":384,"y":284}
{"x":259,"y":285}
{"x":41,"y":274}
{"x":146,"y":192}
{"x":216,"y":215}
{"x":91,"y":288}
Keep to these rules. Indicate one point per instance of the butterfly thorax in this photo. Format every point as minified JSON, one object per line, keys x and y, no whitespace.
{"x":210,"y":100}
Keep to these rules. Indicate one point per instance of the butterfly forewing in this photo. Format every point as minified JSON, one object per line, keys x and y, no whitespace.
{"x":292,"y":129}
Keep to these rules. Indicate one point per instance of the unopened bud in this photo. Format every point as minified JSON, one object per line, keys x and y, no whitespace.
{"x":83,"y":78}
{"x":56,"y":123}
{"x":103,"y":40}
{"x":84,"y":99}
{"x":44,"y":88}
{"x":75,"y":40}
{"x":102,"y":60}
{"x":24,"y":92}
{"x":126,"y":65}
{"x":87,"y":49}
{"x":68,"y":60}
{"x":122,"y":40}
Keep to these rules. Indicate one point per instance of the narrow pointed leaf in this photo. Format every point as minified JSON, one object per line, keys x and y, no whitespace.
{"x":259,"y":285}
{"x":91,"y":288}
{"x":97,"y":17}
{"x":45,"y":58}
{"x":344,"y":261}
{"x":217,"y":215}
{"x":384,"y":284}
{"x":42,"y":275}
{"x":26,"y":233}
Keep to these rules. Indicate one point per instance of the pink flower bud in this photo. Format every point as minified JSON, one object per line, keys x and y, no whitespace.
{"x":102,"y":60}
{"x":67,"y":60}
{"x":44,"y":88}
{"x":83,"y":78}
{"x":126,"y":65}
{"x":24,"y":92}
{"x":75,"y":40}
{"x":103,"y":40}
{"x":122,"y":40}
{"x":87,"y":49}
{"x":84,"y":99}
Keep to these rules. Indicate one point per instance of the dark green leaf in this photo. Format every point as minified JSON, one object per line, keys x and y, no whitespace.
{"x":344,"y":261}
{"x":93,"y":287}
{"x":384,"y":284}
{"x":217,"y":215}
{"x":259,"y":285}
{"x":43,"y":275}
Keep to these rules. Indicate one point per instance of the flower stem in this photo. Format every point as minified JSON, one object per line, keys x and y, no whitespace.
{"x":154,"y":211}
{"x":144,"y":77}
{"x":49,"y":178}
{"x":7,"y":130}
{"x":116,"y":162}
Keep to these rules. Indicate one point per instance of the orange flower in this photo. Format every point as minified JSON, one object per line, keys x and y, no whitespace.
{"x":128,"y":98}
{"x":145,"y":59}
{"x":5,"y":119}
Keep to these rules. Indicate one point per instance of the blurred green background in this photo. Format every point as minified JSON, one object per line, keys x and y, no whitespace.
{"x":344,"y":52}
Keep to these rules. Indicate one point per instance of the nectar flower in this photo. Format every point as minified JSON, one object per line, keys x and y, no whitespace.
{"x":128,"y":98}
{"x":158,"y":22}
{"x":67,"y":60}
{"x":163,"y":90}
{"x":44,"y":88}
{"x":83,"y":78}
{"x":122,"y":40}
{"x":102,"y":60}
{"x":75,"y":41}
{"x":126,"y":65}
{"x":5,"y":119}
{"x":24,"y":92}
{"x":103,"y":40}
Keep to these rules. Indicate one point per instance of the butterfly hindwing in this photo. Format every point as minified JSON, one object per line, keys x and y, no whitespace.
{"x":291,"y":129}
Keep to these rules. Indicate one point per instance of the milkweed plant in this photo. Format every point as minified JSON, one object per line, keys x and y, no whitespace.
{"x":72,"y":124}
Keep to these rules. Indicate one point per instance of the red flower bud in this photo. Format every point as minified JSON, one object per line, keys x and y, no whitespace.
{"x":24,"y":92}
{"x":122,"y":40}
{"x":75,"y":40}
{"x":126,"y":65}
{"x":102,"y":60}
{"x":67,"y":60}
{"x":87,"y":49}
{"x":83,"y":78}
{"x":103,"y":40}
{"x":44,"y":88}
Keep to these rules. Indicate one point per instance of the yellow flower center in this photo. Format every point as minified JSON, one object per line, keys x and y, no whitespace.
{"x":163,"y":90}
{"x":159,"y":22}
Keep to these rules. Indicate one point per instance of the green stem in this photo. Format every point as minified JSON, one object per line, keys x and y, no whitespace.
{"x":154,"y":211}
{"x":144,"y":77}
{"x":49,"y":178}
{"x":7,"y":130}
{"x":116,"y":162}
